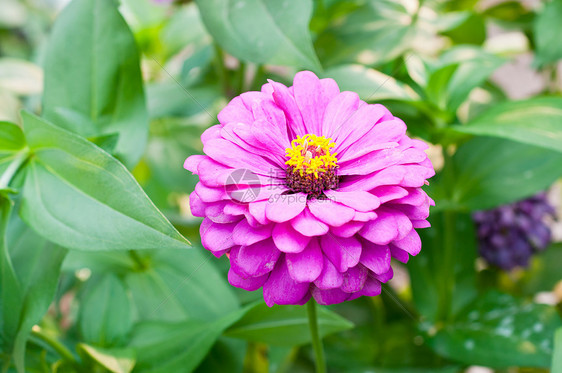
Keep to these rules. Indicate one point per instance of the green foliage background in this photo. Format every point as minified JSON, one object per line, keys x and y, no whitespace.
{"x":97,"y":273}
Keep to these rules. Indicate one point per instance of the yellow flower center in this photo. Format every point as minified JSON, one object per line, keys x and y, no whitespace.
{"x":310,"y":155}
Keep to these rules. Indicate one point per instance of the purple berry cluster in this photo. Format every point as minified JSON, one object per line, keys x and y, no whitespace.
{"x":509,"y":235}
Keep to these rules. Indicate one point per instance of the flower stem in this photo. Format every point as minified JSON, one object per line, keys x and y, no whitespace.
{"x":55,"y":345}
{"x":316,"y":340}
{"x":12,"y":169}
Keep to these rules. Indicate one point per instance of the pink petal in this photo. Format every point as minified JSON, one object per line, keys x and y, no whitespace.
{"x":216,"y":237}
{"x":192,"y":162}
{"x":330,"y":277}
{"x":305,"y":223}
{"x":338,"y":111}
{"x":376,"y":257}
{"x":347,"y":230}
{"x":287,"y":103}
{"x":254,"y":260}
{"x":284,"y":207}
{"x":235,"y":111}
{"x":344,"y":253}
{"x":245,"y":235}
{"x":372,"y":287}
{"x":331,"y":296}
{"x":330,"y":212}
{"x":280,"y":288}
{"x":250,"y":283}
{"x":312,"y":96}
{"x":399,"y":254}
{"x":359,"y":200}
{"x":289,"y":240}
{"x":306,"y":266}
{"x":231,"y":155}
{"x":354,"y":279}
{"x":411,"y":243}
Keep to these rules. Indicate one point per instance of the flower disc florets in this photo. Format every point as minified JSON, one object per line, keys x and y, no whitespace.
{"x":311,"y":165}
{"x":310,"y":192}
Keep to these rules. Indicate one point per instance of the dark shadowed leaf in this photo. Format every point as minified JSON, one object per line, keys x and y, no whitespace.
{"x":36,"y":263}
{"x":176,"y":347}
{"x":262,"y":31}
{"x":179,"y":285}
{"x":284,"y":325}
{"x":105,"y":312}
{"x":426,"y":267}
{"x":80,"y":197}
{"x":500,"y":331}
{"x":93,"y":83}
{"x":490,"y":172}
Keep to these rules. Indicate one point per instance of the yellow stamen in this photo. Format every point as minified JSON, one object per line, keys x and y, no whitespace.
{"x":310,"y":154}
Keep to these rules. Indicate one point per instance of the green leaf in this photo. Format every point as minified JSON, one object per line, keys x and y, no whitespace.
{"x":103,"y":93}
{"x":37,"y":264}
{"x":458,"y":71}
{"x":500,"y":331}
{"x":376,"y":32}
{"x":472,"y":30}
{"x":263,"y":31}
{"x":81,"y":198}
{"x":536,"y":121}
{"x":177,"y":347}
{"x":105,"y":313}
{"x":179,"y":285}
{"x":547,"y":29}
{"x":544,"y":272}
{"x":557,"y":354}
{"x":490,"y":172}
{"x":370,"y":84}
{"x":12,"y":142}
{"x":11,"y":298}
{"x":426,"y":268}
{"x":114,"y":360}
{"x":284,"y":325}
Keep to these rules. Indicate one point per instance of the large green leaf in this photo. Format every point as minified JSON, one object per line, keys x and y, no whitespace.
{"x":537,"y":121}
{"x":177,"y":347}
{"x":12,"y":143}
{"x":36,"y":264}
{"x":547,"y":29}
{"x":427,"y":268}
{"x":80,"y":197}
{"x":179,"y":285}
{"x":489,"y":172}
{"x":557,"y":354}
{"x":370,"y":84}
{"x":284,"y":325}
{"x":11,"y":298}
{"x":500,"y":331}
{"x":457,"y":72}
{"x":376,"y":32}
{"x":105,"y":313}
{"x":262,"y":31}
{"x":93,"y":83}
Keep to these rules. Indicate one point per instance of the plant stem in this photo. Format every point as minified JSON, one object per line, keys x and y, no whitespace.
{"x":241,"y":78}
{"x":316,"y":341}
{"x":55,"y":345}
{"x":448,"y":273}
{"x":221,"y":70}
{"x":13,"y":168}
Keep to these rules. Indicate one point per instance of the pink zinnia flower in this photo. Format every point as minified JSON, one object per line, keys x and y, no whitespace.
{"x":310,"y":192}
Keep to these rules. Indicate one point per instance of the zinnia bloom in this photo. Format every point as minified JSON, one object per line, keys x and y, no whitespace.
{"x":509,"y":235}
{"x":310,"y":192}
